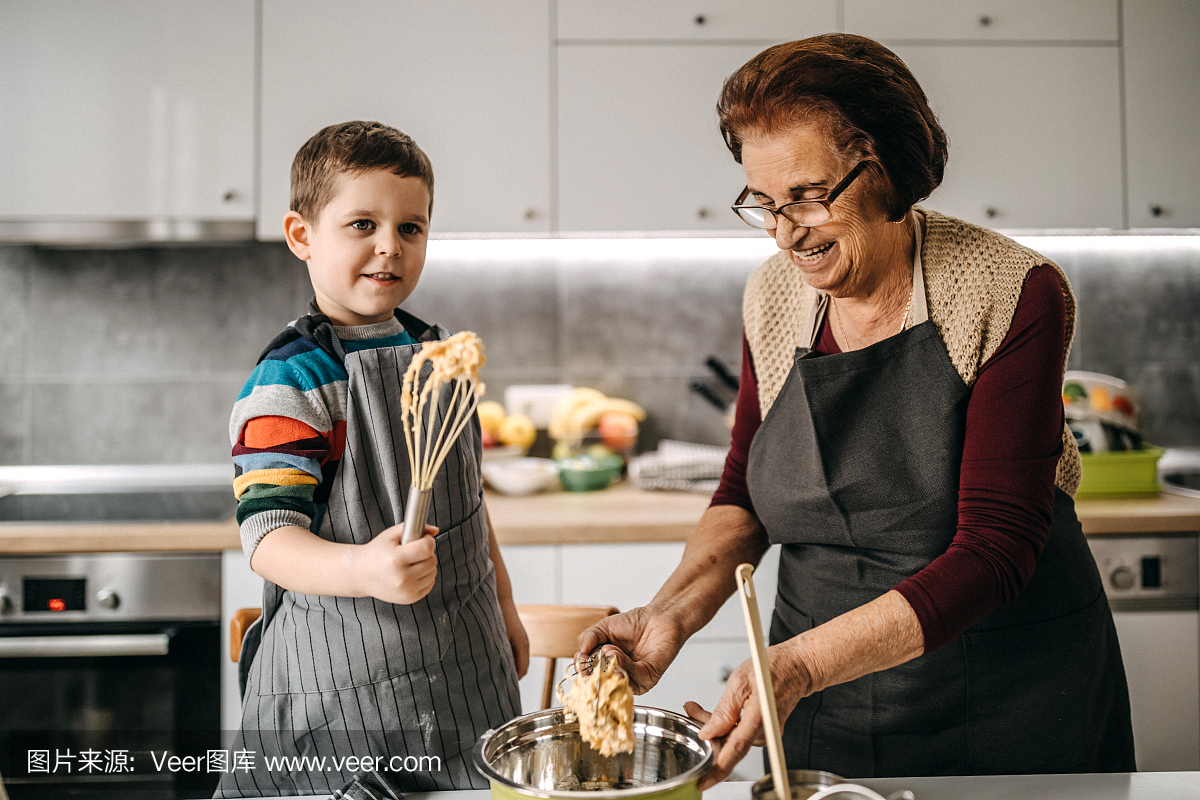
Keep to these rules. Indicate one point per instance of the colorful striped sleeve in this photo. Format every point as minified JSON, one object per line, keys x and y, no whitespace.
{"x":288,"y":436}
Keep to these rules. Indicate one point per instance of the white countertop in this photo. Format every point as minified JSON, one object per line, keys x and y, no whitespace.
{"x":1113,"y":786}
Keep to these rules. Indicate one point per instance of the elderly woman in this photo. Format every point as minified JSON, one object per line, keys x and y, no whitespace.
{"x":899,"y":432}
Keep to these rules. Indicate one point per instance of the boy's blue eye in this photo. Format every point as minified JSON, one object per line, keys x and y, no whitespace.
{"x":410,"y":228}
{"x":362,"y":225}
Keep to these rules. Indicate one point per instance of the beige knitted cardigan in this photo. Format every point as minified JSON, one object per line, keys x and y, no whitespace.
{"x":973,"y":279}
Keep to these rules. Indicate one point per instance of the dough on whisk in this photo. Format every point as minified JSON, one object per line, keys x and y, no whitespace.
{"x":603,"y":704}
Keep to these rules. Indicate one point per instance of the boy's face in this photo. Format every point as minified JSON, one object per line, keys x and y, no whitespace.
{"x":366,"y":249}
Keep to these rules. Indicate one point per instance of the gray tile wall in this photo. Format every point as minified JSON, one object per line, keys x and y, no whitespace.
{"x":136,"y":355}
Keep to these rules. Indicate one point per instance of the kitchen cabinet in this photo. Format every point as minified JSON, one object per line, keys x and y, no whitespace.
{"x":695,"y":20}
{"x":1162,"y":62}
{"x":468,"y":81}
{"x":240,"y":588}
{"x":124,"y":110}
{"x":638,"y":144}
{"x":984,"y":20}
{"x":1034,"y":131}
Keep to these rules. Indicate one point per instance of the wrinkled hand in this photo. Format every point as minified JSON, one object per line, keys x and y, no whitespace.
{"x":736,"y":724}
{"x":395,"y":572}
{"x":518,"y":639}
{"x":643,"y":642}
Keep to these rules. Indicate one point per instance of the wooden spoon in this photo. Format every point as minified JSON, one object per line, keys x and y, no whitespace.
{"x":762,"y":677}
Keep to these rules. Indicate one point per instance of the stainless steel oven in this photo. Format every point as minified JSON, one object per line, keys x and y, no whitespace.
{"x":109,"y":666}
{"x":110,"y":662}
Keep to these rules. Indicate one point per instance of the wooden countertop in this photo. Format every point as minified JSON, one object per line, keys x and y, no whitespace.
{"x":618,"y":514}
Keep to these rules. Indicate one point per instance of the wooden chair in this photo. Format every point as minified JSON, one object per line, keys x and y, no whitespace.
{"x":243,"y":618}
{"x":554,"y":634}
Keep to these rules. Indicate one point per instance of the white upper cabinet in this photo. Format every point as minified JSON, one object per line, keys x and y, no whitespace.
{"x":126,"y":109}
{"x":697,"y":20}
{"x":1034,"y":131}
{"x":984,"y":20}
{"x":468,"y":81}
{"x":1162,"y":62}
{"x":638,"y":142}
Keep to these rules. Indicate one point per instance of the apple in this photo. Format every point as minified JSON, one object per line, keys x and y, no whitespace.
{"x":618,"y":431}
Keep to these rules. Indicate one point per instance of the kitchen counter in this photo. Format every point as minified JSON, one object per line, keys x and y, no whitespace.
{"x":618,"y":514}
{"x":1116,"y":786}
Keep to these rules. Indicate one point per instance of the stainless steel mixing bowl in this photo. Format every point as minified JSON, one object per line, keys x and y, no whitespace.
{"x":542,"y":755}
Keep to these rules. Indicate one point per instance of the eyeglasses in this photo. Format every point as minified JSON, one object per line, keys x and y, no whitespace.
{"x":806,"y":213}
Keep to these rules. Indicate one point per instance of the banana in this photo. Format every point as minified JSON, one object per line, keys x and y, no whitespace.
{"x":567,"y":406}
{"x":585,"y":417}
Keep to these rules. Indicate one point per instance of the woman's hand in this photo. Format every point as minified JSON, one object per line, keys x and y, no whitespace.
{"x":644,"y":642}
{"x":394,"y":572}
{"x":518,"y":639}
{"x":736,"y":724}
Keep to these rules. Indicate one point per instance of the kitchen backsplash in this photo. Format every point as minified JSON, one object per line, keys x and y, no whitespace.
{"x":136,"y":355}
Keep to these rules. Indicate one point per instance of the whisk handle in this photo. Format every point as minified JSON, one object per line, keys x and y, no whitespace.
{"x":415,"y":512}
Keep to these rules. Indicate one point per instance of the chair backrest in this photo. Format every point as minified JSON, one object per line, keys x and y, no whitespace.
{"x":554,"y":633}
{"x":242,"y":619}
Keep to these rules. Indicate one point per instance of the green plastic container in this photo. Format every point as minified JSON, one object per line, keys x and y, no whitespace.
{"x":1128,"y":473}
{"x":589,"y":473}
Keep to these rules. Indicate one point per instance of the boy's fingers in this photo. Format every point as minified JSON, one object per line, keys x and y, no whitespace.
{"x":431,"y":530}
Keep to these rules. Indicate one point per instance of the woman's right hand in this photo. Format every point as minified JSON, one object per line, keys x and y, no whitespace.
{"x":394,"y":572}
{"x":644,"y":642}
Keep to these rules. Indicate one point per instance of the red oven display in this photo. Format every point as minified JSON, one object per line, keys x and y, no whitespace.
{"x":55,"y":594}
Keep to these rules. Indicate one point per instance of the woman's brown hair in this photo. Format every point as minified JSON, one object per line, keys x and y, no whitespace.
{"x":861,"y":93}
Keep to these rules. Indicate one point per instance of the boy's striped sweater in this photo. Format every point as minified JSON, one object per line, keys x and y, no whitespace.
{"x":288,"y":430}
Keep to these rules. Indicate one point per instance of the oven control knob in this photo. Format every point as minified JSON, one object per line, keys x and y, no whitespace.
{"x":107,"y":598}
{"x":1122,"y":578}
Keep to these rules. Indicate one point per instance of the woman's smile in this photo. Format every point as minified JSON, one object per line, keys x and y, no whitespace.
{"x":812,"y":256}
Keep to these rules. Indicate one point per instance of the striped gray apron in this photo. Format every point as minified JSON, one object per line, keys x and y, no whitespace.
{"x":413,"y":686}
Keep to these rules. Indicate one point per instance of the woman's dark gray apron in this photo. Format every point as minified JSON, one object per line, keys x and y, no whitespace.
{"x":414,"y":684}
{"x":854,"y":472}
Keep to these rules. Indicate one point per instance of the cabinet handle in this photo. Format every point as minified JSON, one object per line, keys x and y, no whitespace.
{"x":702,"y":213}
{"x":991,"y":212}
{"x":1156,"y":210}
{"x":229,"y":196}
{"x":726,"y":674}
{"x":701,"y":19}
{"x":985,"y":20}
{"x":530,"y":214}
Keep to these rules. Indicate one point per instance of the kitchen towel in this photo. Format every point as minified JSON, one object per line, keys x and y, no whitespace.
{"x":679,"y":466}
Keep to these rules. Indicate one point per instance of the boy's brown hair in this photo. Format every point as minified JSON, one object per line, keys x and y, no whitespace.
{"x":352,"y":147}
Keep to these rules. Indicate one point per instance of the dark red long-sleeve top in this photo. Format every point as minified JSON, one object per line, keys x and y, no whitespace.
{"x":1010,"y":457}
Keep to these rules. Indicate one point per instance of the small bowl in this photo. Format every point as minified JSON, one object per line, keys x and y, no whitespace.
{"x":520,"y":476}
{"x":588,"y":473}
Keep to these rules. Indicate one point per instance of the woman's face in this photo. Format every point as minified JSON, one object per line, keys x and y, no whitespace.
{"x":844,"y":256}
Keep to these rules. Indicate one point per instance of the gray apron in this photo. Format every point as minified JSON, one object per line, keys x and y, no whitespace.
{"x":414,"y":684}
{"x":855,"y":473}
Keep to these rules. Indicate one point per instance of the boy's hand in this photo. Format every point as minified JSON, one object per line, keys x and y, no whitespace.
{"x":394,"y":572}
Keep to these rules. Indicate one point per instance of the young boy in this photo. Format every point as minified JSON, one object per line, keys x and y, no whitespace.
{"x":401,"y":653}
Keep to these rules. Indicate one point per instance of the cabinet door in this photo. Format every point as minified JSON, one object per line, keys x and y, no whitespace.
{"x":468,"y":81}
{"x":1035,"y":133}
{"x":122,"y":109}
{"x":1162,"y":114}
{"x":695,"y":20}
{"x":638,"y":144}
{"x":984,"y":20}
{"x":240,"y":588}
